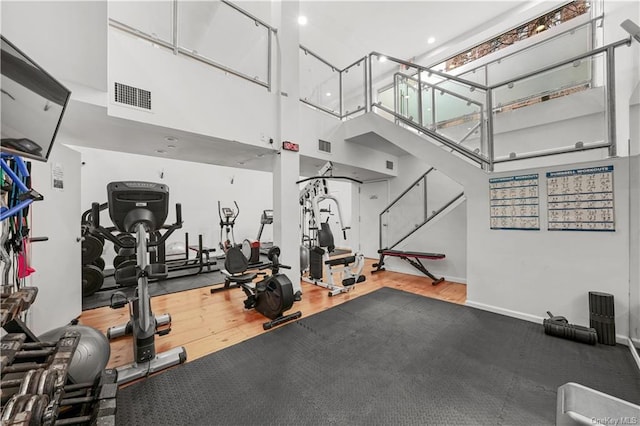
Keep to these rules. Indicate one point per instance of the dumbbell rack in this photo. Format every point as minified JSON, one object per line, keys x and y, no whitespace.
{"x":35,"y":386}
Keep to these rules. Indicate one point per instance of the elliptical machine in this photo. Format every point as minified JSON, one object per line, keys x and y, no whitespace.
{"x":140,"y":208}
{"x":227,"y":220}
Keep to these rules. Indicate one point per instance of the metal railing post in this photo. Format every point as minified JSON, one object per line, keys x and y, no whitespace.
{"x":611,"y":101}
{"x":420,"y":97}
{"x":486,"y":137}
{"x":175,"y":27}
{"x":340,"y":94}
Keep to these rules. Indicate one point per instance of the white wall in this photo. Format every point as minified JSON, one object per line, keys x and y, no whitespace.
{"x":526,"y":273}
{"x":198,"y":187}
{"x":50,"y":30}
{"x":316,"y":125}
{"x":445,"y":234}
{"x":189,"y":95}
{"x":634,"y":249}
{"x":56,"y":261}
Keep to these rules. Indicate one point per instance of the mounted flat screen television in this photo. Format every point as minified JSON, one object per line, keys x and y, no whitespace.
{"x":32,"y":105}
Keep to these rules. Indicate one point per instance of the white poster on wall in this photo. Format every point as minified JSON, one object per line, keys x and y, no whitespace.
{"x":581,"y":199}
{"x":514,"y":202}
{"x":57,"y":176}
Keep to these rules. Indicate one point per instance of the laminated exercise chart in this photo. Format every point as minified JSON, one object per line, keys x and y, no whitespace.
{"x":581,"y":199}
{"x":514,"y":202}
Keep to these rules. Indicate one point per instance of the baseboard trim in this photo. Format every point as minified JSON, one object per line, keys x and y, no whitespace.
{"x":623,"y":340}
{"x":507,"y":312}
{"x":634,"y":351}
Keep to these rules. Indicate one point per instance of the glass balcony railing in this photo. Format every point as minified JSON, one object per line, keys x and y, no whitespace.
{"x":218,"y":33}
{"x":319,"y":83}
{"x":429,"y":195}
{"x":472,"y":113}
{"x":446,"y":108}
{"x":339,"y":92}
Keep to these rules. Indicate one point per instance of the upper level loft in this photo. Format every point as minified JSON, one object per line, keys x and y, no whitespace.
{"x":564,"y":93}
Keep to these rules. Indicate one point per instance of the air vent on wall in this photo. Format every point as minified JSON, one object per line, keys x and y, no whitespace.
{"x":133,"y":96}
{"x":390,"y":165}
{"x":324,"y":145}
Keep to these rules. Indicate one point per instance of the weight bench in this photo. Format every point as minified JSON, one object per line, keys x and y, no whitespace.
{"x":413,"y":257}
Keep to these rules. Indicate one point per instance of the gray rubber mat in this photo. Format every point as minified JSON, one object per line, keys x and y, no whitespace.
{"x":386,"y":358}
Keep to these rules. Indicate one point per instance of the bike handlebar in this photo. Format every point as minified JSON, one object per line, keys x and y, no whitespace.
{"x":95,"y":220}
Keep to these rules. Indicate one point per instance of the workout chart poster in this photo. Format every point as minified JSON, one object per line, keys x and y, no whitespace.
{"x":514,"y":202}
{"x":581,"y":199}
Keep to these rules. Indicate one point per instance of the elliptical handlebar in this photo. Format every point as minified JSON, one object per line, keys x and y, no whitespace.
{"x":95,"y":220}
{"x":228,"y":220}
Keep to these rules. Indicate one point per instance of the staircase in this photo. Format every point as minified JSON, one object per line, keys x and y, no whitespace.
{"x":428,"y":197}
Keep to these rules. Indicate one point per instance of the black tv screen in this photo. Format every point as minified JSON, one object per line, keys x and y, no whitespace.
{"x":32,"y":105}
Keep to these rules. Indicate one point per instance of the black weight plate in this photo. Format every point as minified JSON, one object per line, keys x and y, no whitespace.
{"x":125,"y":238}
{"x":273,"y":251}
{"x":119,"y":260}
{"x":99,"y":262}
{"x":92,"y":279}
{"x":127,"y":263}
{"x":91,"y":249}
{"x":94,"y":233}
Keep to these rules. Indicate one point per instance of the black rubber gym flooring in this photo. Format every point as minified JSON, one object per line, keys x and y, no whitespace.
{"x":386,"y":358}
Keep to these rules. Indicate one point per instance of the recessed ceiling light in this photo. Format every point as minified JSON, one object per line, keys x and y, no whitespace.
{"x":241,"y":163}
{"x":328,"y":93}
{"x":171,"y":146}
{"x":161,"y":151}
{"x":171,"y":139}
{"x":302,"y":20}
{"x":382,"y":58}
{"x":431,"y":40}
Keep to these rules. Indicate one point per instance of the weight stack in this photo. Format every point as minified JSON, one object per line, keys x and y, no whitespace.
{"x":602,"y":317}
{"x":315,"y":263}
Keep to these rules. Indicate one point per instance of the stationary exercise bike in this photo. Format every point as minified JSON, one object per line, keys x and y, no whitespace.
{"x":140,"y":208}
{"x":271,"y":296}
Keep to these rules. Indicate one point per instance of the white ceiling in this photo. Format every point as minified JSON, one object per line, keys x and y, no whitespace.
{"x":343,"y":31}
{"x":339,"y":31}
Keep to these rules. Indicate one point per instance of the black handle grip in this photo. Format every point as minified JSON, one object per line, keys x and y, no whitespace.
{"x":344,"y":233}
{"x":95,"y":214}
{"x":178,"y":213}
{"x":284,"y":266}
{"x":38,"y":239}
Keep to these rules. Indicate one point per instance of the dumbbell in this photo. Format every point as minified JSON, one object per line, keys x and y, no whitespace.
{"x":35,"y":381}
{"x":28,"y":408}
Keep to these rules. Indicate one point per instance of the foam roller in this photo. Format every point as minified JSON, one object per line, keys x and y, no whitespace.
{"x":560,"y":327}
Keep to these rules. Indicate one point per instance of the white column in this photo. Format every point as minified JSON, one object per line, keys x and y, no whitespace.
{"x":286,"y":167}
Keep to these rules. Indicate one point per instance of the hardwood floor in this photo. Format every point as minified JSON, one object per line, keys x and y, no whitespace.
{"x":204,"y":323}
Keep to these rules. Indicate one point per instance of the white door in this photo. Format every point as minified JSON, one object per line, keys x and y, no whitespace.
{"x":57,"y":262}
{"x":374,"y":196}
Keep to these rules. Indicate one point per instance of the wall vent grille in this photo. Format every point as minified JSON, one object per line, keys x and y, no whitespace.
{"x":133,"y":96}
{"x":390,"y":165}
{"x":324,"y":146}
